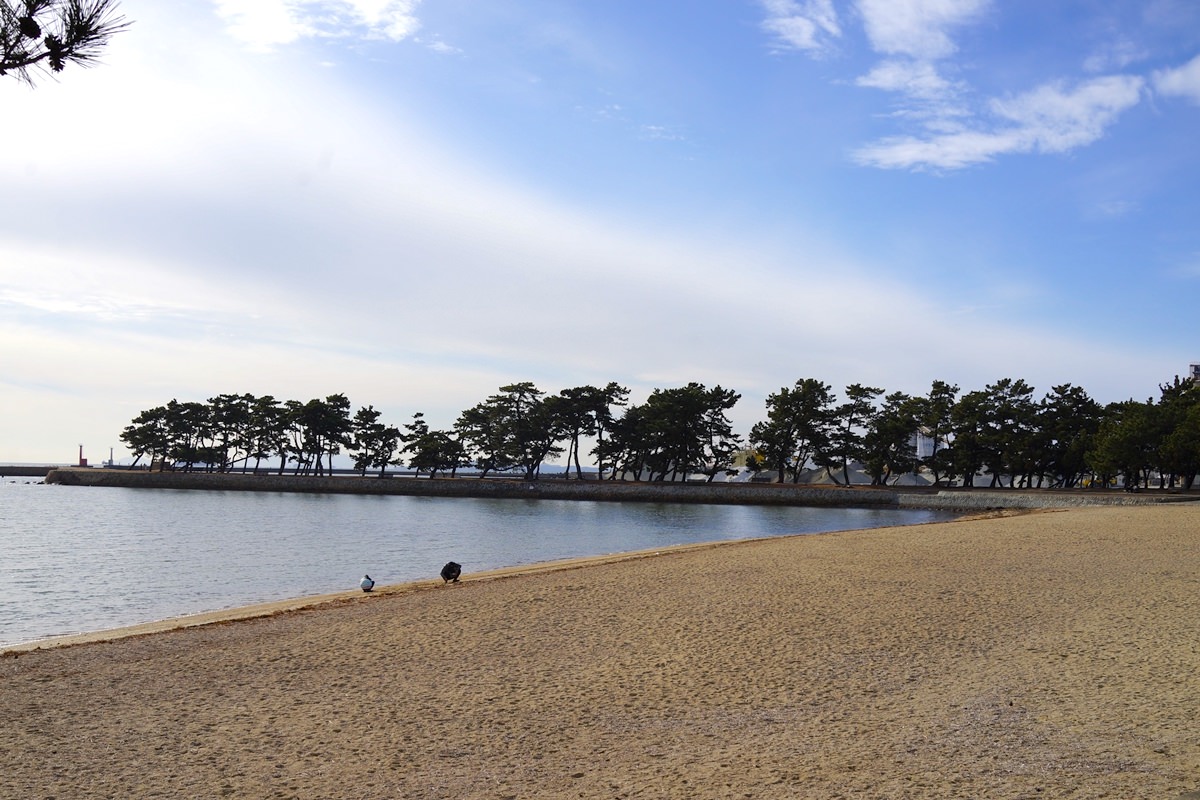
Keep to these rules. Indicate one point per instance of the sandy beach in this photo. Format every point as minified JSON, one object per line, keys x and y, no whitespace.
{"x":1041,"y":655}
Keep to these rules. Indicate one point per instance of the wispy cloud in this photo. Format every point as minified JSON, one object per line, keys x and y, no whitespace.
{"x":918,"y":29}
{"x":266,"y":24}
{"x":918,"y":79}
{"x":913,"y":37}
{"x":916,"y":42}
{"x":1050,"y":119}
{"x":439,"y":46}
{"x":1054,"y":118}
{"x":660,"y":133}
{"x":1116,"y":56}
{"x":1180,"y":82}
{"x":916,"y":38}
{"x":809,"y":25}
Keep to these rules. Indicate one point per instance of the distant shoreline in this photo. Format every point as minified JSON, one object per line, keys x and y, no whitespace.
{"x":616,"y":491}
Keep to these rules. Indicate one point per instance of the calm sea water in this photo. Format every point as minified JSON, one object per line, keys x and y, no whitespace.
{"x":78,"y":559}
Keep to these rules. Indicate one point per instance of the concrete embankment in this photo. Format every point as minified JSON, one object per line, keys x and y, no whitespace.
{"x":550,"y":489}
{"x":23,"y":471}
{"x":609,"y":491}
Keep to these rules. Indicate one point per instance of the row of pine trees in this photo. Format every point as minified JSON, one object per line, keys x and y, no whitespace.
{"x":1001,"y":432}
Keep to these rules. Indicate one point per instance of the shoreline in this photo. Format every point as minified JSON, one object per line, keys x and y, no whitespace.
{"x":1008,"y":657}
{"x":317,"y":601}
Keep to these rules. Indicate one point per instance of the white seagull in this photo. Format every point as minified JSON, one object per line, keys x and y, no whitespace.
{"x":367,"y":584}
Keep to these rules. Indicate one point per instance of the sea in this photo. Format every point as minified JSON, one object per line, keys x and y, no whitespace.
{"x":84,"y":559}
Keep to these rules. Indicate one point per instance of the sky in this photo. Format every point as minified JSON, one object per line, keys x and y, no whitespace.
{"x":415,"y":202}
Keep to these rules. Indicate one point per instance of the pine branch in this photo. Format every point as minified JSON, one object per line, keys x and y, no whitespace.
{"x":48,"y":34}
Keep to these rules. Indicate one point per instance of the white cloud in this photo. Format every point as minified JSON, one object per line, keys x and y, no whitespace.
{"x":913,"y":35}
{"x":916,"y":29}
{"x":1049,"y":119}
{"x":919,"y":29}
{"x":393,"y":19}
{"x":265,"y":24}
{"x":917,"y":79}
{"x":439,"y":46}
{"x":1054,"y":119}
{"x":916,"y":36}
{"x":802,"y":24}
{"x":660,"y":133}
{"x":1118,"y":55}
{"x":262,"y":25}
{"x":948,"y":151}
{"x":1180,"y":82}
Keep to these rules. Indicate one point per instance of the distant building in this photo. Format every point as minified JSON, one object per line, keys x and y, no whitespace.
{"x":1194,"y":372}
{"x":924,"y":444}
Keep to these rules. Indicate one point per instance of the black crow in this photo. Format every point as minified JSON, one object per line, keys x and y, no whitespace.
{"x":450,"y":572}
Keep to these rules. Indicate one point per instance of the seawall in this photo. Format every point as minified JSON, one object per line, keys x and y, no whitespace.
{"x":612,"y":491}
{"x":24,"y":471}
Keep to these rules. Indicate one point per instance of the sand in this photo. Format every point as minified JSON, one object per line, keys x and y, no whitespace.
{"x":1044,"y":655}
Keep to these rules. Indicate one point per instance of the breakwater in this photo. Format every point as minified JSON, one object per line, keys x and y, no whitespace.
{"x":24,"y":471}
{"x":966,"y":500}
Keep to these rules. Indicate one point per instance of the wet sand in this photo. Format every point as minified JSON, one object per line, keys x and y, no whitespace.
{"x":1043,"y":655}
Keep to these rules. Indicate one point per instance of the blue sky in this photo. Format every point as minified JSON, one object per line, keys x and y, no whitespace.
{"x":417,"y":202}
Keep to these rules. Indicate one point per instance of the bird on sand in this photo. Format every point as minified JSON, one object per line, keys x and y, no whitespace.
{"x":450,"y":572}
{"x":366,"y":583}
